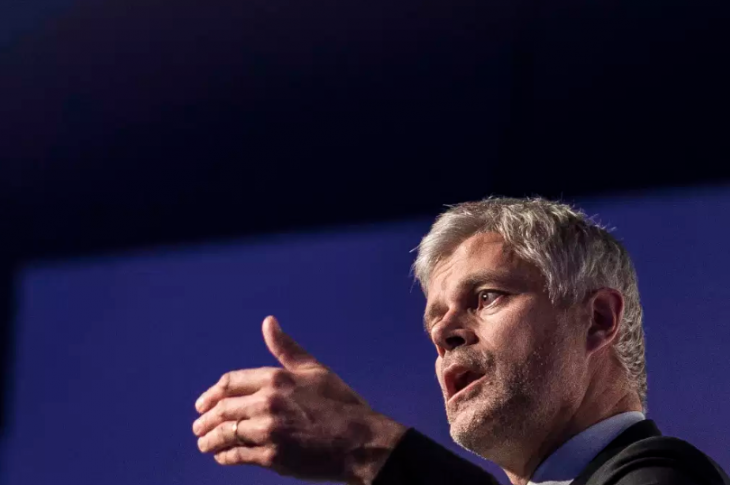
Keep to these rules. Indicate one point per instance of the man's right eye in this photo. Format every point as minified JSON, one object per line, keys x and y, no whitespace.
{"x":488,"y":297}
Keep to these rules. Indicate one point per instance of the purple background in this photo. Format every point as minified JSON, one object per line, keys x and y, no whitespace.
{"x":112,"y":352}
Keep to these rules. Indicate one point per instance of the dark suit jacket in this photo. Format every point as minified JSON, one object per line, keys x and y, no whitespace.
{"x":638,"y":456}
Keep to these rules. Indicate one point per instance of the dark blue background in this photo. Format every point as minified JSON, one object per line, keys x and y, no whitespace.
{"x":112,"y":352}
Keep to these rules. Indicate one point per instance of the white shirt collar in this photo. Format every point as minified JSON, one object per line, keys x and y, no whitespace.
{"x":564,"y":465}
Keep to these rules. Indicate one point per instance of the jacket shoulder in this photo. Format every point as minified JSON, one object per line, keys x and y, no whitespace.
{"x":660,"y":460}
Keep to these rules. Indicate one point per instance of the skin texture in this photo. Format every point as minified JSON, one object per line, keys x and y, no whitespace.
{"x":549,"y":370}
{"x":298,"y":420}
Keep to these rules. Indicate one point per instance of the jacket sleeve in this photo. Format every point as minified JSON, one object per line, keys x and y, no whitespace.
{"x":418,"y":460}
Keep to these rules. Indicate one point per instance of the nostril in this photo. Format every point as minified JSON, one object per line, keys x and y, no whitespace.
{"x":454,"y":341}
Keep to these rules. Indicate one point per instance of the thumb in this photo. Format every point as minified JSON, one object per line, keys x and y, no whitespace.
{"x":284,"y":348}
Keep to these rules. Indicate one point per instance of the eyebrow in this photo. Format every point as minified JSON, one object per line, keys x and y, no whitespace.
{"x":467,"y":285}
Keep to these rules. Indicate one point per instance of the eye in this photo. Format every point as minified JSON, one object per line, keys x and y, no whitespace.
{"x":488,"y":297}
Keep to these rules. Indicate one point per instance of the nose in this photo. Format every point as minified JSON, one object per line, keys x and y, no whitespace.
{"x":450,"y":334}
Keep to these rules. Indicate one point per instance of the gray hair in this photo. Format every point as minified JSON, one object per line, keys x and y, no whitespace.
{"x":575,"y":254}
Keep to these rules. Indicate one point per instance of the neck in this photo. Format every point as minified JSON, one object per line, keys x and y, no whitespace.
{"x":566,"y":423}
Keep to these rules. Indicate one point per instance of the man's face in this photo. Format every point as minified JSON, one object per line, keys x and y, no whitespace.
{"x":489,"y":311}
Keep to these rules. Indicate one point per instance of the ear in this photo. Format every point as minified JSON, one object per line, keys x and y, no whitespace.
{"x":606,"y":307}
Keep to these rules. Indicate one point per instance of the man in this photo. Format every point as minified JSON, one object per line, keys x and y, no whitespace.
{"x":534,"y":312}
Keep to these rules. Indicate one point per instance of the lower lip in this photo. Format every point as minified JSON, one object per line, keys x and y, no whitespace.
{"x":463,"y":391}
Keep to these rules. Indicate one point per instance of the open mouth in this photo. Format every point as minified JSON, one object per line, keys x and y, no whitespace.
{"x":464,"y":381}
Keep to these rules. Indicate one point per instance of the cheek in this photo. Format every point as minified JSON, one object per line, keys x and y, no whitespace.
{"x":513,"y":336}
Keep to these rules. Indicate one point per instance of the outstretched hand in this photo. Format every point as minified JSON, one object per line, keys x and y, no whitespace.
{"x":301,"y":420}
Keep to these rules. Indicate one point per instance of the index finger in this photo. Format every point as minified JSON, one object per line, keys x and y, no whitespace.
{"x":235,"y":383}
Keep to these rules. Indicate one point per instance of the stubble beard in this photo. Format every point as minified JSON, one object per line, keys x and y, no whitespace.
{"x":501,"y":416}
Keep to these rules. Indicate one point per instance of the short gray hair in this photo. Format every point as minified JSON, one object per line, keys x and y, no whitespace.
{"x":574,"y":253}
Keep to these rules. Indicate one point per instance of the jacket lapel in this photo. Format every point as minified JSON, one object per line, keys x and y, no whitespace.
{"x":639,"y":431}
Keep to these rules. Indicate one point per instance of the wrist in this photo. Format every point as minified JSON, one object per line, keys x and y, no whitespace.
{"x":382,"y":436}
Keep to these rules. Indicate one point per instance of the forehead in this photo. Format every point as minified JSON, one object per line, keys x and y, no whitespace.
{"x":482,"y":255}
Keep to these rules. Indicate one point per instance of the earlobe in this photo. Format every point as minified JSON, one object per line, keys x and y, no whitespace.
{"x":606,"y":308}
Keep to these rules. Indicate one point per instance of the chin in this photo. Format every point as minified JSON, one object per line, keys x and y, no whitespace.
{"x":478,"y":430}
{"x":488,"y":429}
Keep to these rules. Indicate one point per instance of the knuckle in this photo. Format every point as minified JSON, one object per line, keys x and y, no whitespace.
{"x":280,"y":379}
{"x":270,"y":403}
{"x":220,"y":433}
{"x":240,"y":454}
{"x":269,"y":427}
{"x":269,"y":456}
{"x":225,"y":382}
{"x":222,"y":409}
{"x":224,"y":458}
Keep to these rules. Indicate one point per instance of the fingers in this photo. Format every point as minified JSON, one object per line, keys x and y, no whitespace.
{"x":252,"y":432}
{"x":256,"y":455}
{"x":236,"y":383}
{"x":232,"y":409}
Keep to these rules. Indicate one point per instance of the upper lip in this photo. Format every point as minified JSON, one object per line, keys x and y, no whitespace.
{"x":457,"y":377}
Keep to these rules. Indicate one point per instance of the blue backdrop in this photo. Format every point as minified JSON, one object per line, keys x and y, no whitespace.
{"x":112,"y":352}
